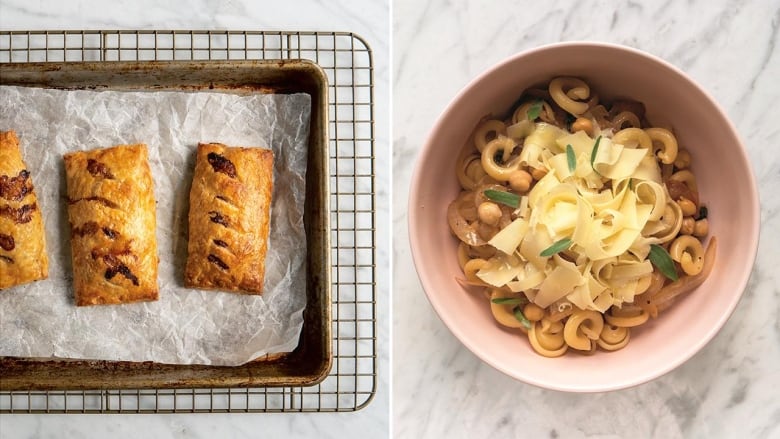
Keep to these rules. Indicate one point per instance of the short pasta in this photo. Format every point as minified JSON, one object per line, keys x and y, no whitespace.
{"x":578,"y":219}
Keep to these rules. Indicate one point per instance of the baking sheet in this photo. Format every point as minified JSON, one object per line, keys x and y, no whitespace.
{"x":185,"y":326}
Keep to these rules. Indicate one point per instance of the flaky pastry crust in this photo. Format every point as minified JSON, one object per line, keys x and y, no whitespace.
{"x":22,"y":238}
{"x":229,"y":218}
{"x":111,"y":209}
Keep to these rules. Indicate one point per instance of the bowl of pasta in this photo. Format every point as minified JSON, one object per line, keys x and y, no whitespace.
{"x":583,"y":217}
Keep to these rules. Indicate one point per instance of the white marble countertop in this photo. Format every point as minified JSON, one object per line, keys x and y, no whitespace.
{"x":370,"y":20}
{"x":727,"y":390}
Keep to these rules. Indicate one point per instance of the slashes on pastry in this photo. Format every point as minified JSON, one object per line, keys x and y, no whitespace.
{"x":229,"y":217}
{"x":22,"y":239}
{"x":111,"y":209}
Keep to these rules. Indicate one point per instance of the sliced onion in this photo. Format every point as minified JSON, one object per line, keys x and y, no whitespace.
{"x":470,"y":283}
{"x":646,"y":303}
{"x":598,"y":114}
{"x":460,"y":227}
{"x":678,"y":189}
{"x":465,"y":177}
{"x":622,"y":105}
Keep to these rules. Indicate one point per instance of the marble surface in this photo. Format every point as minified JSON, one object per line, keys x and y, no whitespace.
{"x":367,"y":19}
{"x":727,"y":390}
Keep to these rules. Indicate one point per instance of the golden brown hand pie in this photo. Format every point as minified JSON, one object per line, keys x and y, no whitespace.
{"x":22,"y":241}
{"x":230,"y":205}
{"x":112,"y":216}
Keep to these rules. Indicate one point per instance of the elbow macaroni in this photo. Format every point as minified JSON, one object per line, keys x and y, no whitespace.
{"x":569,"y":93}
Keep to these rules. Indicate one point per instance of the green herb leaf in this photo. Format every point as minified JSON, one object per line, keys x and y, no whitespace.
{"x":593,"y":153}
{"x":631,"y":183}
{"x":509,"y":301}
{"x":570,"y":158}
{"x":557,"y":247}
{"x":521,"y":318}
{"x":661,"y":259}
{"x":508,"y":198}
{"x":703,"y":212}
{"x":534,"y":110}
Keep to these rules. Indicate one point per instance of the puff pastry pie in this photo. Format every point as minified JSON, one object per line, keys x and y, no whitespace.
{"x":111,"y":209}
{"x":230,"y":204}
{"x":22,"y":242}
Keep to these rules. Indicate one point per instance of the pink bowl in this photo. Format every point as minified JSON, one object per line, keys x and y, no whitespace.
{"x":726,"y":185}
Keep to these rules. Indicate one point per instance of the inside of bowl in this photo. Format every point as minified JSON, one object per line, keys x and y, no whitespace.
{"x":725,"y":183}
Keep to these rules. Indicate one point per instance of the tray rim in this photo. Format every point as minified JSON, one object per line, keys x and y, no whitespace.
{"x":310,"y":379}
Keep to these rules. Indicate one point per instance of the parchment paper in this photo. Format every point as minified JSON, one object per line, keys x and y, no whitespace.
{"x":185,"y":326}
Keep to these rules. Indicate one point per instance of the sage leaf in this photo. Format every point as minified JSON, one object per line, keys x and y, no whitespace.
{"x":594,"y":152}
{"x":570,"y":158}
{"x":534,"y":110}
{"x":521,"y":318}
{"x":507,"y":198}
{"x":557,"y":247}
{"x":509,"y":301}
{"x":661,"y":259}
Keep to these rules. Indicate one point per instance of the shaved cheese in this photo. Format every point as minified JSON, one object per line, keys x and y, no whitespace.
{"x":631,"y":271}
{"x":500,"y":269}
{"x":533,"y":244}
{"x":617,"y":162}
{"x":560,"y":165}
{"x":584,"y":228}
{"x":612,"y":246}
{"x":624,"y":292}
{"x":544,"y":136}
{"x":523,"y":211}
{"x":580,"y":142}
{"x":542,"y":187}
{"x":557,"y":210}
{"x":508,"y":238}
{"x":606,"y":199}
{"x":531,"y":155}
{"x":628,"y":210}
{"x":653,"y":227}
{"x":641,"y":246}
{"x":528,"y":279}
{"x":652,"y":193}
{"x":558,"y":284}
{"x":592,"y":180}
{"x":648,"y":170}
{"x":521,"y":129}
{"x":583,"y":295}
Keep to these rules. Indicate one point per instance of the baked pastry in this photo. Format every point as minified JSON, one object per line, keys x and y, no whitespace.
{"x":22,"y":241}
{"x":230,"y":205}
{"x":112,"y":216}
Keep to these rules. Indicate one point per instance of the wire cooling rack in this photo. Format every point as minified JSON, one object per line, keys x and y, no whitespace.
{"x":347,"y":60}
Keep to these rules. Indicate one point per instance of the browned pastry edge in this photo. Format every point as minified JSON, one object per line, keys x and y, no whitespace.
{"x":112,"y":215}
{"x":229,"y":218}
{"x":23,"y":256}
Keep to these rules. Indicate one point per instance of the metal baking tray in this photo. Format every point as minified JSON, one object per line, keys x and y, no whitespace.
{"x":311,"y":361}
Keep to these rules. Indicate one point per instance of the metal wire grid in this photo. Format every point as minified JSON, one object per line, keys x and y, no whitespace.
{"x":347,"y":60}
